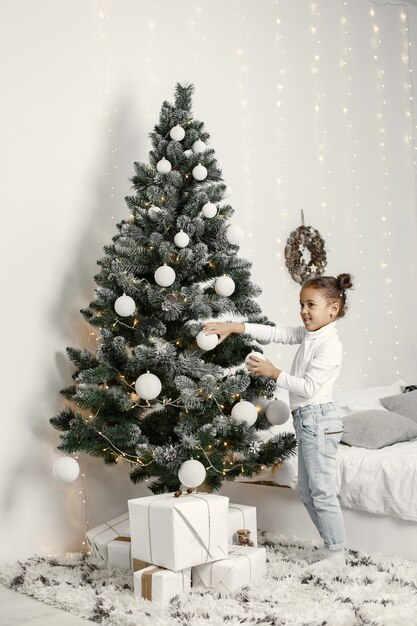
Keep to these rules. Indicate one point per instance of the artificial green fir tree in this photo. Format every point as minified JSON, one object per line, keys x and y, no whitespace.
{"x":178,"y":235}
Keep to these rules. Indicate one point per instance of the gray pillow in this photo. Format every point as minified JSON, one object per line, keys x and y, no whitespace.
{"x":405,"y":404}
{"x":377,"y":428}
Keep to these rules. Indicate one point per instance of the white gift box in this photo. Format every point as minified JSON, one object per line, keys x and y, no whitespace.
{"x":120,"y":553}
{"x":177,"y":533}
{"x":160,"y":585}
{"x":242,"y":516}
{"x":243,"y":566}
{"x":99,"y":537}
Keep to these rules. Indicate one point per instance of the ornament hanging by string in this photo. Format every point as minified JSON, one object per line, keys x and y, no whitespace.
{"x":148,"y":386}
{"x":164,"y":275}
{"x":124,"y":306}
{"x":192,"y":473}
{"x":199,"y":172}
{"x":234,"y":235}
{"x":181,"y":239}
{"x":301,"y":239}
{"x":209,"y":210}
{"x":177,"y":133}
{"x":163,"y":166}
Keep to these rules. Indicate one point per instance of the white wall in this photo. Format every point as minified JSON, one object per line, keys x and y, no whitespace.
{"x":82,"y":84}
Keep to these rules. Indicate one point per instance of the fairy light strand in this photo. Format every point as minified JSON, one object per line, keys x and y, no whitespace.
{"x":386,"y":217}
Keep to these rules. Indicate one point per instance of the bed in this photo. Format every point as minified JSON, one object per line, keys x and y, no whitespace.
{"x":377,"y":488}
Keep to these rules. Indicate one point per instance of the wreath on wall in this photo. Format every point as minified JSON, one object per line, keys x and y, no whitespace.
{"x":301,"y":239}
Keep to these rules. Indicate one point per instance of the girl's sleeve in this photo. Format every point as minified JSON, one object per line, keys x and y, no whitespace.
{"x":277,"y":334}
{"x":324,"y":365}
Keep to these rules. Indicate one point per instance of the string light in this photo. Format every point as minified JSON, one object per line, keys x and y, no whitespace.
{"x":386,"y":203}
{"x":281,"y":129}
{"x":319,"y":103}
{"x":248,"y":151}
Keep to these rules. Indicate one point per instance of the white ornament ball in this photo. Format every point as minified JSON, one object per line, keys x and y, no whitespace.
{"x":284,"y":473}
{"x":188,"y":153}
{"x":258,"y":354}
{"x":227,"y":192}
{"x":206,"y":342}
{"x":177,"y":133}
{"x":200,"y":172}
{"x":192,"y":473}
{"x":224,"y":286}
{"x":181,"y":239}
{"x":164,"y":275}
{"x":245,"y":411}
{"x":277,"y":412}
{"x":65,"y":469}
{"x":148,"y":386}
{"x":154,"y":211}
{"x":163,"y":166}
{"x":209,"y":210}
{"x":125,"y":306}
{"x":199,"y":146}
{"x":234,"y":235}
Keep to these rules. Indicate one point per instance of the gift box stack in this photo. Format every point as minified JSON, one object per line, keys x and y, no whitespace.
{"x":172,"y":543}
{"x":191,"y":540}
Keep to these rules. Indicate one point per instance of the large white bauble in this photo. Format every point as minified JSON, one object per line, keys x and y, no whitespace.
{"x":154,"y":212}
{"x":192,"y":473}
{"x":209,"y":210}
{"x":245,"y":411}
{"x":188,"y":153}
{"x":199,"y":146}
{"x":224,"y":286}
{"x":206,"y":342}
{"x":200,"y":172}
{"x":234,"y":235}
{"x":277,"y":412}
{"x":163,"y":166}
{"x":65,"y":469}
{"x":164,"y":275}
{"x":283,"y":473}
{"x":181,"y":239}
{"x":148,"y":386}
{"x":125,"y":306}
{"x":258,"y":354}
{"x":177,"y":133}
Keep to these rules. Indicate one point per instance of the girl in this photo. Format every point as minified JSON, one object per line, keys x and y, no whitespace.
{"x":317,"y":425}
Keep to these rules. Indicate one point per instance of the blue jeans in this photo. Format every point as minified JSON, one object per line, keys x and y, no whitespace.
{"x":319,"y":429}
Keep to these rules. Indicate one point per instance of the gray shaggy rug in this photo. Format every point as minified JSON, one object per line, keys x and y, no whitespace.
{"x":373,"y":590}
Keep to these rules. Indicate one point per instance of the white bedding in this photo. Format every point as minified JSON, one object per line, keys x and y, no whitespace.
{"x":380,"y":481}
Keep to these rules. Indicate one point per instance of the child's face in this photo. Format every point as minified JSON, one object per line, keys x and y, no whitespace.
{"x":315,"y":309}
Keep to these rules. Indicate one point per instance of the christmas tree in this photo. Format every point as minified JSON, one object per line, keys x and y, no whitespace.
{"x":149,"y":394}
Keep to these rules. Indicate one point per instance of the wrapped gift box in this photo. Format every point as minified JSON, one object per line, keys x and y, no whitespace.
{"x":242,"y":516}
{"x":177,"y":533}
{"x":120,"y":555}
{"x":99,"y":537}
{"x":243,"y":566}
{"x":160,"y":585}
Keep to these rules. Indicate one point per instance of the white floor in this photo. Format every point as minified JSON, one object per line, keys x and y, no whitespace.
{"x":17,"y":609}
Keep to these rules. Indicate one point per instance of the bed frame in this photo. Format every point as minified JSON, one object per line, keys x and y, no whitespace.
{"x":280,"y":511}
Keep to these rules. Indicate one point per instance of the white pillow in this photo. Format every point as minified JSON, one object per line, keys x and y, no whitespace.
{"x":366,"y":398}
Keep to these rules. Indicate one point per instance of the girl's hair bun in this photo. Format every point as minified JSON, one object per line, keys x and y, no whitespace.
{"x":344,"y":281}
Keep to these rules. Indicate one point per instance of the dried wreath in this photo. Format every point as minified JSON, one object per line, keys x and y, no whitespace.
{"x":305,"y":237}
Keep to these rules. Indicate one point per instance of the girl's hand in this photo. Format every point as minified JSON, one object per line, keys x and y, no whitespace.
{"x":222,"y":329}
{"x":263,"y":367}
